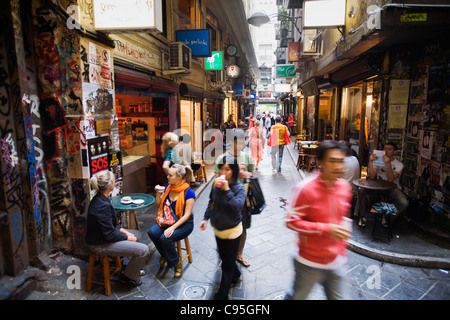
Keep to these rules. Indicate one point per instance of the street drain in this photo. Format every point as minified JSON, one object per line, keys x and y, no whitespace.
{"x":195,"y":292}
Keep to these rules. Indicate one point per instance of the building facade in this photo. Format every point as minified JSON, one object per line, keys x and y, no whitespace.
{"x":79,"y":95}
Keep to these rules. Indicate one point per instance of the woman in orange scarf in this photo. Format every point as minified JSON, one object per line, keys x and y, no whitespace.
{"x":179,"y":198}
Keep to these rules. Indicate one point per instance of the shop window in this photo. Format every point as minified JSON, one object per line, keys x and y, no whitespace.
{"x":190,"y":14}
{"x":360,"y":126}
{"x":212,"y":23}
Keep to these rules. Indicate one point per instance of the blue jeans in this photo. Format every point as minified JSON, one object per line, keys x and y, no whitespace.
{"x":277,"y":149}
{"x":306,"y":277}
{"x":166,"y":246}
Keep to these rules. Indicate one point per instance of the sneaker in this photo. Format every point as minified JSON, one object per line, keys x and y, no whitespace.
{"x":130,"y":282}
{"x":274,"y":170}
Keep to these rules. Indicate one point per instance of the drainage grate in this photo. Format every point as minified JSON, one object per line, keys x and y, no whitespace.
{"x":195,"y":292}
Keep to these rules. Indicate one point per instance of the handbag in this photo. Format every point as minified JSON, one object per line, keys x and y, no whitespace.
{"x":269,"y":140}
{"x":166,"y":217}
{"x":287,"y":140}
{"x":255,"y":201}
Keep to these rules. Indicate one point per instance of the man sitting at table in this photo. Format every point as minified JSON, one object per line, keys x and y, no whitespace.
{"x":391,"y":172}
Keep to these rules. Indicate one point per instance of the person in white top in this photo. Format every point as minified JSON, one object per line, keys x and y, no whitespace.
{"x":391,"y":172}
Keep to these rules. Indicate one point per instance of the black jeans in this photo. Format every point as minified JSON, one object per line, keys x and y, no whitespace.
{"x":228,"y":250}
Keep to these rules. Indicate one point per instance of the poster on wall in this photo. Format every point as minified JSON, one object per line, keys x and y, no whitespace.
{"x":96,"y":99}
{"x":115,"y":166}
{"x":98,"y":154}
{"x":99,"y":65}
{"x":426,"y":143}
{"x":397,"y":116}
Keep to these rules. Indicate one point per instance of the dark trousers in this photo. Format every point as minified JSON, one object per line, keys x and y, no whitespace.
{"x":228,"y":250}
{"x":166,"y":246}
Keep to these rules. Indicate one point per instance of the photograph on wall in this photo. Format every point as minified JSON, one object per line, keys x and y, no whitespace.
{"x":426,"y":143}
{"x":414,"y":129}
{"x":433,"y":115}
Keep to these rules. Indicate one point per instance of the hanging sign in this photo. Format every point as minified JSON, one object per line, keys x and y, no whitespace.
{"x":199,"y":41}
{"x":233,"y":71}
{"x":215,"y":62}
{"x":128,"y":16}
{"x":285,"y":71}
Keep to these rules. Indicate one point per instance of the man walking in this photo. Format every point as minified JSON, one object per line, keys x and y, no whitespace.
{"x":278,"y":132}
{"x":319,"y":207}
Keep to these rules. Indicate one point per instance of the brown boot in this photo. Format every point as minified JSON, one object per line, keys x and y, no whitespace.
{"x":179,"y":269}
{"x":162,"y":261}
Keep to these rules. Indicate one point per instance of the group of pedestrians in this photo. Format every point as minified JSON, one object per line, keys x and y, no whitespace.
{"x":319,"y":208}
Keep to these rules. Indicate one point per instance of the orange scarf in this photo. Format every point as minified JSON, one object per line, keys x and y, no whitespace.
{"x":179,"y":207}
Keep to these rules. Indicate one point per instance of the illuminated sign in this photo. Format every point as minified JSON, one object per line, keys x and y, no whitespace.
{"x":324,"y":13}
{"x":233,"y":71}
{"x":215,"y":62}
{"x":198,"y":40}
{"x":128,"y":16}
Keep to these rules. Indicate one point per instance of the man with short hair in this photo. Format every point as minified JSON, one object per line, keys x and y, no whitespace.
{"x":391,"y":172}
{"x":318,"y":207}
{"x":278,"y":132}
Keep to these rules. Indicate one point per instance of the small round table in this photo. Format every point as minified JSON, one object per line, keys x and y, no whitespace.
{"x":366,"y":184}
{"x":132,"y":208}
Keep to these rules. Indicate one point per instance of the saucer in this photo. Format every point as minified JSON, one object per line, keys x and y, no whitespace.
{"x":138,"y":201}
{"x":126,"y":202}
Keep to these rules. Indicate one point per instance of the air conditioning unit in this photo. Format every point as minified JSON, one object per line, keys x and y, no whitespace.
{"x":179,"y":56}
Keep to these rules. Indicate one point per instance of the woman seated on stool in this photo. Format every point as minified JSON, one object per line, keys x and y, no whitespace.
{"x":105,"y":236}
{"x":180,"y":198}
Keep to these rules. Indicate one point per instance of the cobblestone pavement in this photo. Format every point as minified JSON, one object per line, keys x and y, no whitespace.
{"x":270,"y":248}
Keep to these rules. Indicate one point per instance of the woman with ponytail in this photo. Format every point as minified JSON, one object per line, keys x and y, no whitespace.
{"x":105,"y":236}
{"x":178,"y":198}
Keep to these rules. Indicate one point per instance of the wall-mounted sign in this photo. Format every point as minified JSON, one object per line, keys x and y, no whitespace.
{"x":285,"y":71}
{"x":215,"y":62}
{"x":294,"y":51}
{"x":198,"y":40}
{"x":324,"y":13}
{"x":232,"y":50}
{"x":282,"y":87}
{"x":233,"y":71}
{"x":128,"y":16}
{"x":238,"y":89}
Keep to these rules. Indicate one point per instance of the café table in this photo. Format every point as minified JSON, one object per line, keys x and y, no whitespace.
{"x":369,"y":184}
{"x":131,"y":208}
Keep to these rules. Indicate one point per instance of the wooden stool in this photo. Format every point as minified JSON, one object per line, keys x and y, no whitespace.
{"x":301,"y":160}
{"x":201,"y":173}
{"x":107,"y":273}
{"x":309,"y":160}
{"x":187,"y":249}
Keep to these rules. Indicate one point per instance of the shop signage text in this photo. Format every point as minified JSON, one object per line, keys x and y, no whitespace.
{"x":197,"y":40}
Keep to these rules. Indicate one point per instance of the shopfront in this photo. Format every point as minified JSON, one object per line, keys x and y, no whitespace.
{"x":360,"y":116}
{"x":197,"y":106}
{"x":146,"y":108}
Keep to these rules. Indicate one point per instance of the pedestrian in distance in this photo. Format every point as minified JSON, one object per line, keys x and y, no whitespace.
{"x":278,"y":134}
{"x":257,"y":140}
{"x":179,"y":199}
{"x":169,"y":141}
{"x":319,"y":212}
{"x":105,"y":236}
{"x":224,"y":209}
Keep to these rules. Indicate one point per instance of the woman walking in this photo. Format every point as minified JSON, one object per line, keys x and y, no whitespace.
{"x":180,"y":198}
{"x":227,"y":198}
{"x":256,"y":137}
